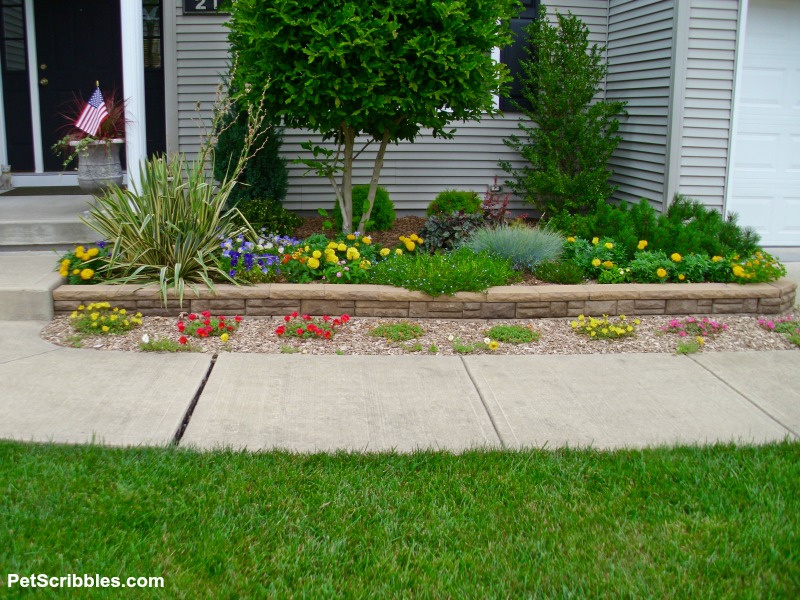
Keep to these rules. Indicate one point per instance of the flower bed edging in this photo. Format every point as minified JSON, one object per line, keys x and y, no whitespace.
{"x":505,"y":302}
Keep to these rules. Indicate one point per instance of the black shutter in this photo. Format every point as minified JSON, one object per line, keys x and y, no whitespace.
{"x":513,"y":54}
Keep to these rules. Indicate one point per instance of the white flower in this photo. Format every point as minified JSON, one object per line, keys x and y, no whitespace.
{"x":145,"y":338}
{"x":486,"y":341}
{"x":269,"y":245}
{"x":451,"y":337}
{"x":280,"y":249}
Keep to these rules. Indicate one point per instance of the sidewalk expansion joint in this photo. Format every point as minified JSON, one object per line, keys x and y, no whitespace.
{"x":483,"y":402}
{"x":746,"y":397}
{"x":176,"y":439}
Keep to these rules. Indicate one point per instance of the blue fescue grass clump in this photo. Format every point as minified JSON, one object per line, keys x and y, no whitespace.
{"x":523,"y":246}
{"x":445,"y":274}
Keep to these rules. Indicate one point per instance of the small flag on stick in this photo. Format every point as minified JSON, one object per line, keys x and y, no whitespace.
{"x":94,"y":114}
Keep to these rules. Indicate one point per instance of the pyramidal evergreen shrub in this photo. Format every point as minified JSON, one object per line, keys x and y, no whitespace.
{"x":567,"y":137}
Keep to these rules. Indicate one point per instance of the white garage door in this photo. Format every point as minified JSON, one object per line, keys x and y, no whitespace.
{"x":765,"y":178}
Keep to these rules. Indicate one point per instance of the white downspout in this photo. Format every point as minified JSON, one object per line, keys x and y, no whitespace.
{"x":33,"y":84}
{"x":133,"y":88}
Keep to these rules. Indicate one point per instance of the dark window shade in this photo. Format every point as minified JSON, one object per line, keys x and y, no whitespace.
{"x":513,"y":54}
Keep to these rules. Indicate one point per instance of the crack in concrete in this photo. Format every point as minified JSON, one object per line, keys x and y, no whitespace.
{"x":176,"y":439}
{"x":745,"y":396}
{"x":483,"y":403}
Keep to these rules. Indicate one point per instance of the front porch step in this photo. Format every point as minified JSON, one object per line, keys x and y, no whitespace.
{"x":43,"y":222}
{"x":27,"y":281}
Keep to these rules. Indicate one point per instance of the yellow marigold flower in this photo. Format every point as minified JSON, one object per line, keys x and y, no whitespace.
{"x":65,"y":262}
{"x":87,"y":274}
{"x":414,"y":237}
{"x":681,"y":277}
{"x":122,"y":311}
{"x":104,"y":328}
{"x":353,"y":254}
{"x":738,"y":271}
{"x":420,"y":241}
{"x":307,"y":248}
{"x":596,"y":262}
{"x":676,"y":257}
{"x":331,"y":258}
{"x":76,"y":271}
{"x":79,"y":249}
{"x":366,"y":240}
{"x":402,"y":238}
{"x":316,"y":254}
{"x":364,"y":264}
{"x":384,"y":252}
{"x":351,"y":237}
{"x":570,"y":239}
{"x":661,"y":272}
{"x":313,"y":263}
{"x":607,"y":264}
{"x":493,"y":345}
{"x":93,"y":252}
{"x":224,"y":337}
{"x":595,"y":241}
{"x":609,"y":245}
{"x":716,"y":259}
{"x":410,"y":245}
{"x":642,"y":244}
{"x":342,"y":247}
{"x":332,"y":245}
{"x":113,"y":317}
{"x":398,"y":252}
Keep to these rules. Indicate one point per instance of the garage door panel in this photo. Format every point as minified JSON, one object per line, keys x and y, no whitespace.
{"x":764,"y":186}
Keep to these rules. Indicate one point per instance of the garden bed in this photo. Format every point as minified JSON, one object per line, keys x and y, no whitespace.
{"x":504,"y":302}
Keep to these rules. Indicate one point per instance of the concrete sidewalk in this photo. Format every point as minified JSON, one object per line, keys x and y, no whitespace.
{"x":373,"y":403}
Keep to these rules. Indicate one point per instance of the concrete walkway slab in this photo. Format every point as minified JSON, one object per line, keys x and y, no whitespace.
{"x":27,"y":280}
{"x":327,"y":403}
{"x":610,"y":401}
{"x":769,"y":379}
{"x":114,"y":398}
{"x":20,"y":339}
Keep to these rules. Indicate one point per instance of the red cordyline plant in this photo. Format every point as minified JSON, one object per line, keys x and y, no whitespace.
{"x":204,"y":325}
{"x":306,"y":326}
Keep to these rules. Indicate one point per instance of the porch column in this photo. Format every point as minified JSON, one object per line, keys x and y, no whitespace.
{"x":133,"y":87}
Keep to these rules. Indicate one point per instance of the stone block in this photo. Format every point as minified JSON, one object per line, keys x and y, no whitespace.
{"x":533,"y":312}
{"x":564,"y":293}
{"x":225,"y":304}
{"x":612,"y":291}
{"x":681,"y":307}
{"x":498,"y":310}
{"x":267,"y":308}
{"x":511,"y":293}
{"x":297,"y":291}
{"x":649,"y":305}
{"x":400,"y":313}
{"x":728,"y":306}
{"x":325,"y":307}
{"x":596,"y":308}
{"x":626,"y":307}
{"x":351,"y":292}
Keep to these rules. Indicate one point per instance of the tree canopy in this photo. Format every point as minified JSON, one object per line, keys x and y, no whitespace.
{"x":385,"y":69}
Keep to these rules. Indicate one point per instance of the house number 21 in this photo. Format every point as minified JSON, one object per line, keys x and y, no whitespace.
{"x":200,"y":6}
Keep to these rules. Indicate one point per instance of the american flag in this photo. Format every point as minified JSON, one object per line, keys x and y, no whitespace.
{"x":94,"y":114}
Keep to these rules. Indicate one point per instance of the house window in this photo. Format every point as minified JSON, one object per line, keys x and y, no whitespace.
{"x":151,"y":13}
{"x":14,"y":36}
{"x":511,"y":55}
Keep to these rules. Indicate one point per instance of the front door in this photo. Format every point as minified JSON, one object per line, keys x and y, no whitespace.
{"x":78,"y":42}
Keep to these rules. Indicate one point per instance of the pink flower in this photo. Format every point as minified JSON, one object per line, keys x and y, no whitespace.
{"x":682,"y":333}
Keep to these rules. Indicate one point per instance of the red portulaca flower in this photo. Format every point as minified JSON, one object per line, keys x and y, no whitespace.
{"x":345,"y":318}
{"x":280,"y":330}
{"x":183,"y":340}
{"x":287,"y":318}
{"x":295,"y":314}
{"x":300,"y":331}
{"x":237,"y":318}
{"x":192,"y":317}
{"x":206,"y":313}
{"x":181,"y":326}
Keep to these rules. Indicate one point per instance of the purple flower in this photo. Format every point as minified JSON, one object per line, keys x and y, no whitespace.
{"x":101,"y":244}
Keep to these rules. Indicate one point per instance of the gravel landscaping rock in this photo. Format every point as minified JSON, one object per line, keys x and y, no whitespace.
{"x":556,"y":337}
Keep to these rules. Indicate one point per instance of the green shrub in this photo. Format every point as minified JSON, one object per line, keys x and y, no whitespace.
{"x":565,"y":272}
{"x":447,"y":273}
{"x":687,"y":227}
{"x":382,"y":217}
{"x":450,"y":201}
{"x":445,"y":232}
{"x":261,"y":188}
{"x":568,"y":135}
{"x":268,"y":215}
{"x":523,"y":246}
{"x":398,"y":332}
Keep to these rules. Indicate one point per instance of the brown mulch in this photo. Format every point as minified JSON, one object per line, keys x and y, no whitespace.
{"x":402,"y":226}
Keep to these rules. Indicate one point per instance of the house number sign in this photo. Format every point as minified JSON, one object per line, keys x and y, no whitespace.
{"x":200,"y":7}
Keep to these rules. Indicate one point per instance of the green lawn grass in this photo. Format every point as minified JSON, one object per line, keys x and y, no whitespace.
{"x":712,"y":522}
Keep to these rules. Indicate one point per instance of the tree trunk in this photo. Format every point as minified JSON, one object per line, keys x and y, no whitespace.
{"x":373,"y":183}
{"x":347,"y":179}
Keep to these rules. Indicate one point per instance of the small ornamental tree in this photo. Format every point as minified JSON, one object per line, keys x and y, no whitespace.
{"x":382,"y":69}
{"x":568,"y":136}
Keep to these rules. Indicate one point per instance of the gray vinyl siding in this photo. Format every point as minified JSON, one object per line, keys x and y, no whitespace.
{"x":708,"y":99}
{"x":414,"y":173}
{"x":202,"y":56}
{"x":640,"y":45}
